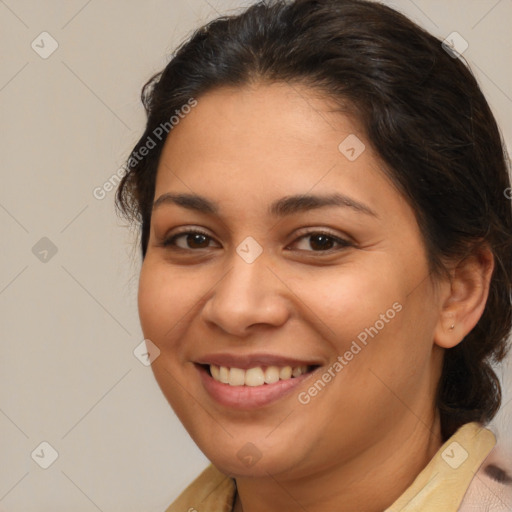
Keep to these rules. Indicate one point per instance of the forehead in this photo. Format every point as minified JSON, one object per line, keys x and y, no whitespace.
{"x":268,"y":124}
{"x":268,"y":138}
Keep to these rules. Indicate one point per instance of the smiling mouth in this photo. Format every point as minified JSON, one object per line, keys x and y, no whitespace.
{"x":256,"y":376}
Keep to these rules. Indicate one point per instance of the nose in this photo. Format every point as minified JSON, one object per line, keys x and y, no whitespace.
{"x":248,"y":297}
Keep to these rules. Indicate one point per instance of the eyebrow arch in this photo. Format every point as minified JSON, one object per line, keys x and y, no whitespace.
{"x":282,"y":207}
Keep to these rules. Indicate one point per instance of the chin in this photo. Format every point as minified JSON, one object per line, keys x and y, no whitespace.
{"x":242,"y":458}
{"x":248,"y":462}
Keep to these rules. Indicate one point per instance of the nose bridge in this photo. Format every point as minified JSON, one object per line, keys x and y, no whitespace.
{"x":247,"y":263}
{"x":246,"y":283}
{"x":248,"y":294}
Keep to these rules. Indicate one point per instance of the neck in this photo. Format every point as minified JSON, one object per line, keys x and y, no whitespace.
{"x":369,"y":483}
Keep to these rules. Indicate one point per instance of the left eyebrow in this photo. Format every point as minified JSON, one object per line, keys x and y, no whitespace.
{"x":285,"y":206}
{"x":303,"y":202}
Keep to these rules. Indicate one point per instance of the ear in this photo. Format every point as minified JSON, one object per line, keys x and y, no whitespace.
{"x":463,"y":297}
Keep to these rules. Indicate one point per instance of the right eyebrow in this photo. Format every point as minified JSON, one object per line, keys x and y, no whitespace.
{"x":189,"y":201}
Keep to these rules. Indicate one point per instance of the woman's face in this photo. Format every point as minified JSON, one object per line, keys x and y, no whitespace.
{"x":308,"y":258}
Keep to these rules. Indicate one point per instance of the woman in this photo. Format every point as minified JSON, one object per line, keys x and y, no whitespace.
{"x":327,"y":247}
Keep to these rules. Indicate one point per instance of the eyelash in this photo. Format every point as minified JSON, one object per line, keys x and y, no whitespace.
{"x":170,"y":242}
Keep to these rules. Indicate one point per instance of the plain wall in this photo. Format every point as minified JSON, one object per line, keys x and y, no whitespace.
{"x":69,"y":321}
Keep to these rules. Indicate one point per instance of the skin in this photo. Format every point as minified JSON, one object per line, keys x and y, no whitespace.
{"x":243,"y":149}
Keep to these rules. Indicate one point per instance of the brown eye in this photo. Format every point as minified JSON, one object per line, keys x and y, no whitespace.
{"x":189,"y":240}
{"x":320,"y":242}
{"x":197,"y":241}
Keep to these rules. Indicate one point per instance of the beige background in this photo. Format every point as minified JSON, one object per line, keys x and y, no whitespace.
{"x":69,"y":323}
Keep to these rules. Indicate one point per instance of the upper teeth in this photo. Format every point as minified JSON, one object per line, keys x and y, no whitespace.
{"x":255,"y":376}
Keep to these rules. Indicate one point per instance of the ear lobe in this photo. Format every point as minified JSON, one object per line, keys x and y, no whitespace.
{"x":465,"y":299}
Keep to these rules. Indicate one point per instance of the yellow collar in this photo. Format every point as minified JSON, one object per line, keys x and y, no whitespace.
{"x":441,"y":485}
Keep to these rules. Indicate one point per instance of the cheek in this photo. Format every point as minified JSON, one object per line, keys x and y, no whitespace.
{"x":374,"y":322}
{"x":354,"y":297}
{"x":153,"y":297}
{"x":165,"y":296}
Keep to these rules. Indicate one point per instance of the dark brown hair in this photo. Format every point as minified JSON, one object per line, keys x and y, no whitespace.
{"x":423,"y":112}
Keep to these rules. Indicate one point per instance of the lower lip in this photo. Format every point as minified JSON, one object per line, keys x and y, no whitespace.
{"x":248,"y":397}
